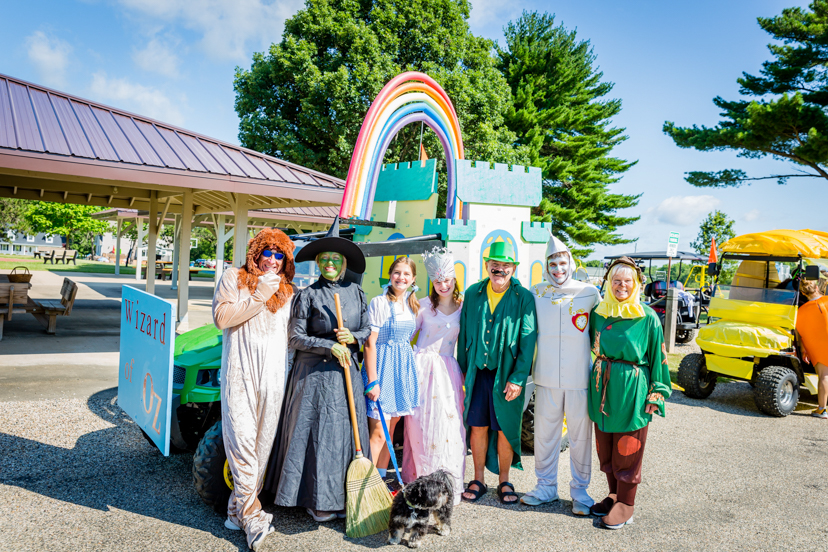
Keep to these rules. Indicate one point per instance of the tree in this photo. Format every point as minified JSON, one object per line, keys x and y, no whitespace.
{"x":12,"y":213}
{"x":793,"y":126}
{"x":715,"y":225}
{"x":561,"y":115}
{"x":72,"y":221}
{"x":304,"y":101}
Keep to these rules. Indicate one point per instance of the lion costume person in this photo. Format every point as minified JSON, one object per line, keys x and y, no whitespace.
{"x":252,"y":307}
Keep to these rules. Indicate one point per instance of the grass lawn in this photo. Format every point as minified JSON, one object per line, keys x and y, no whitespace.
{"x":94,"y":267}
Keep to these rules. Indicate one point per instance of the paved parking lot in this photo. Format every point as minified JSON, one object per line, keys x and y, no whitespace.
{"x":76,"y":474}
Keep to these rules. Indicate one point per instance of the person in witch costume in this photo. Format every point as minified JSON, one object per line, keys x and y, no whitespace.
{"x":629,"y":381}
{"x":561,"y":375}
{"x":252,"y":307}
{"x":495,"y":348}
{"x":314,"y":443}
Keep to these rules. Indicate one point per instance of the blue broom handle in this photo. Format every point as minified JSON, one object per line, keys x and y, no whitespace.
{"x":388,"y":443}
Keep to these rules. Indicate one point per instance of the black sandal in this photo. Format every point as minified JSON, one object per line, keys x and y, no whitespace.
{"x":502,"y":496}
{"x":478,"y":492}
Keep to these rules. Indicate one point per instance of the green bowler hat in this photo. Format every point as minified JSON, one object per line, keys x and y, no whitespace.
{"x":502,"y":252}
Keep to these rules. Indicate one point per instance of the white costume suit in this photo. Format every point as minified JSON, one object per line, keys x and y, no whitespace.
{"x":253,"y":365}
{"x":561,"y":375}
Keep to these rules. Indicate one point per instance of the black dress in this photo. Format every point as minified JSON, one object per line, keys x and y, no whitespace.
{"x":314,"y":442}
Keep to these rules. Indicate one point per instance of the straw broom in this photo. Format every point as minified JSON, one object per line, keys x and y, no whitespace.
{"x":368,"y":500}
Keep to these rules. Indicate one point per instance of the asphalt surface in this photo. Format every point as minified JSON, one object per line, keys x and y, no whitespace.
{"x":76,"y":474}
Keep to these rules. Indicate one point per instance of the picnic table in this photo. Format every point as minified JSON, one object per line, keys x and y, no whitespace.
{"x":14,"y":299}
{"x":164,"y":270}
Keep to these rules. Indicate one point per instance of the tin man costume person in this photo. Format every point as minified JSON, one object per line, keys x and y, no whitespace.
{"x":561,"y":377}
{"x":252,"y":306}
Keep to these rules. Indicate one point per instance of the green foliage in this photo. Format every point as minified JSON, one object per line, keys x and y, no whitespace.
{"x":12,"y":213}
{"x":562,"y":117}
{"x":305,"y":99}
{"x":792,"y":127}
{"x":715,"y":225}
{"x":64,"y":219}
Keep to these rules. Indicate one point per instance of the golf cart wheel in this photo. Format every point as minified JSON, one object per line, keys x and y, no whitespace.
{"x":173,"y":449}
{"x":527,"y":430}
{"x":210,"y":470}
{"x":777,"y":391}
{"x":685,"y":336}
{"x":694,"y":378}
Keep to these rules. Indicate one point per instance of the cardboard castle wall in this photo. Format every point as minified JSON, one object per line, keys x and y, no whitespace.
{"x":497,"y":201}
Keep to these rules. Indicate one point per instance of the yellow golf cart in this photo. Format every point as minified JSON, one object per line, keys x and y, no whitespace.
{"x":750,"y":334}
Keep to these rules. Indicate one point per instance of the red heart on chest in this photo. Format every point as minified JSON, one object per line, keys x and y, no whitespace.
{"x":580,"y":321}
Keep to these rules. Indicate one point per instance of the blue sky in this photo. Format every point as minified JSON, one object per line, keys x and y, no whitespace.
{"x":174,"y":60}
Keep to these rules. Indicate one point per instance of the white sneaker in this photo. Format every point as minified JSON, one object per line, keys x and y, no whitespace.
{"x":257,"y":542}
{"x":820,"y":413}
{"x":530,"y":499}
{"x":321,"y":519}
{"x":579,"y":508}
{"x":232,"y":526}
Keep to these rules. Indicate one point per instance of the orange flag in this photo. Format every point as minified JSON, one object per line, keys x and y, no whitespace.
{"x":423,"y":156}
{"x":713,"y":258}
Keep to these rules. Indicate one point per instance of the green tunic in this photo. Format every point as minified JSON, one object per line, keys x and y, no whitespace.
{"x":504,"y":341}
{"x":625,"y":388}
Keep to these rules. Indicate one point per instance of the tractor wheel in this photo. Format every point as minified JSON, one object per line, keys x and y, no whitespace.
{"x":210,"y":470}
{"x":527,"y":430}
{"x":777,"y":391}
{"x":693,"y":376}
{"x":685,"y":336}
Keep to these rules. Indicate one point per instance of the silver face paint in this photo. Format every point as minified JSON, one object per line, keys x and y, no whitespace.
{"x":558,"y":268}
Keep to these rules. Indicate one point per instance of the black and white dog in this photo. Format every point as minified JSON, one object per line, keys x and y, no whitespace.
{"x":426,"y":498}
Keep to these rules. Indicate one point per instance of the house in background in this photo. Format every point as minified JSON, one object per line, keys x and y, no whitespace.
{"x":15,"y":243}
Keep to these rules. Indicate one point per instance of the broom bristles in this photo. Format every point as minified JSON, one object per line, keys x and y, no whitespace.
{"x":368,"y":500}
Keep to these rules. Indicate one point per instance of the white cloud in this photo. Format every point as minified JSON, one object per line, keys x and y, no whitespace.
{"x":750,"y":216}
{"x":51,"y":57}
{"x":158,"y":57}
{"x":684,"y":210}
{"x":226,"y":27}
{"x":140,"y":99}
{"x":487,"y":12}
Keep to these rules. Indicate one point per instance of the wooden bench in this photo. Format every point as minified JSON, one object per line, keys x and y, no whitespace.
{"x":68,"y":255}
{"x":46,"y":253}
{"x":13,"y":300}
{"x":47,"y":311}
{"x":167,"y":273}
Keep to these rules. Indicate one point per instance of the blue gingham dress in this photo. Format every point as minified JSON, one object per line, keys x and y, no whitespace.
{"x":396,"y":369}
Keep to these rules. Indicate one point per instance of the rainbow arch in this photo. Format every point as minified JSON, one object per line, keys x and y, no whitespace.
{"x":407,"y":98}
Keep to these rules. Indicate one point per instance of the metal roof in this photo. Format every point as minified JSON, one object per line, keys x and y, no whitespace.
{"x":655,"y":255}
{"x":38,"y":119}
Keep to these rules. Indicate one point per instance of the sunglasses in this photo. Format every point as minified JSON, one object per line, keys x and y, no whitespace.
{"x":267,"y":253}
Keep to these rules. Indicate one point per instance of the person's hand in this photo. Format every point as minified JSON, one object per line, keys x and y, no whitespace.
{"x":268,"y":283}
{"x":651,"y":408}
{"x":373,"y":394}
{"x":512,"y":391}
{"x":342,"y":354}
{"x":344,"y":336}
{"x":805,"y":357}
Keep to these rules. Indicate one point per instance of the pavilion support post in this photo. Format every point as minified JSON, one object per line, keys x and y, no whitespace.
{"x":151,"y":242}
{"x":184,"y":259}
{"x":118,"y":246}
{"x":139,"y":243}
{"x":176,"y":253}
{"x":220,"y":239}
{"x":240,"y":231}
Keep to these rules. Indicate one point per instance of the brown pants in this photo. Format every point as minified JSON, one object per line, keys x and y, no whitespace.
{"x":621,"y":456}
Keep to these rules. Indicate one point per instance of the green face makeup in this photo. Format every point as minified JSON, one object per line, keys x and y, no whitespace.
{"x":330,"y":264}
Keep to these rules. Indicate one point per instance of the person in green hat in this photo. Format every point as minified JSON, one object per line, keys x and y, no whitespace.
{"x":498,"y":331}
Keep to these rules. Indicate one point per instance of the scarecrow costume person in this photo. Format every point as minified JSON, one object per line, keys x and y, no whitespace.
{"x":629,"y":381}
{"x":252,"y":307}
{"x":495,"y":348}
{"x":314,"y":443}
{"x":561,"y":376}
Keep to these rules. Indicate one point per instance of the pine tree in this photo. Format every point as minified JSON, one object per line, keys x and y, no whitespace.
{"x":716,"y":225}
{"x":561,"y":115}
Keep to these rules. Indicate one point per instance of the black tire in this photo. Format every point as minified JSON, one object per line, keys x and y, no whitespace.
{"x":527,"y":430}
{"x":693,"y":376}
{"x":777,"y":391}
{"x":208,"y":470}
{"x":173,"y":449}
{"x":685,"y":336}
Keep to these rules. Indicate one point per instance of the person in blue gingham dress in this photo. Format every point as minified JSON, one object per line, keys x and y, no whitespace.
{"x":396,"y":369}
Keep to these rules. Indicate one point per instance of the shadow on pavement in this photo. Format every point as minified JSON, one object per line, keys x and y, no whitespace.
{"x":737,"y":398}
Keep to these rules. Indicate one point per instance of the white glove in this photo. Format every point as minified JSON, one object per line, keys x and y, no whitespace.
{"x":268,"y":284}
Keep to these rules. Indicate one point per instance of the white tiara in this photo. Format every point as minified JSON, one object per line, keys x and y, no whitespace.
{"x":439,"y":264}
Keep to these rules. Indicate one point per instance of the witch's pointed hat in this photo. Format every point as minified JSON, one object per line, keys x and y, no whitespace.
{"x":333,"y":242}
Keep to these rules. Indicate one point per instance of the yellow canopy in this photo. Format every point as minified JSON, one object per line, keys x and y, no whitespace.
{"x":808,"y":243}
